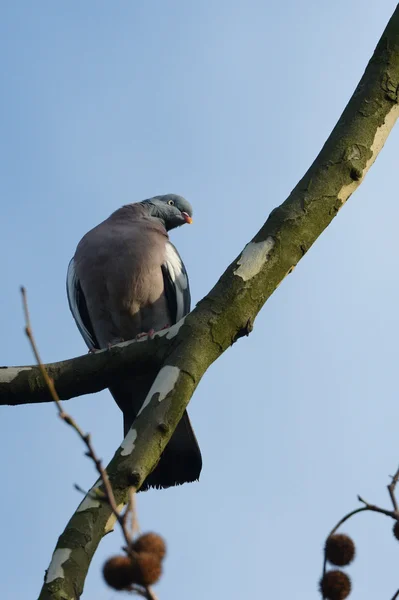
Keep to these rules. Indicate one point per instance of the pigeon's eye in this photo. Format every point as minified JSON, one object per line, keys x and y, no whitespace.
{"x":171,"y":203}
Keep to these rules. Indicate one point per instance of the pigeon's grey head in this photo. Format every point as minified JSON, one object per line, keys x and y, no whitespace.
{"x":171,"y":209}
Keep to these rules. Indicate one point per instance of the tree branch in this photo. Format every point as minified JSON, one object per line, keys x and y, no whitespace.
{"x":85,"y":374}
{"x":230,"y":308}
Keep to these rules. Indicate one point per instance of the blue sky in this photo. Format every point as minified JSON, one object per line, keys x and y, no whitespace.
{"x":227,"y":103}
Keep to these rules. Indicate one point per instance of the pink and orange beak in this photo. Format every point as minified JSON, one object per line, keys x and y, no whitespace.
{"x":187,"y":218}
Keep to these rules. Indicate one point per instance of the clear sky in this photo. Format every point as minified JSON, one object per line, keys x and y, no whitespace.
{"x":227,"y":103}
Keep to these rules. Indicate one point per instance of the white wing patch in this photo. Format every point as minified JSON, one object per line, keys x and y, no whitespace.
{"x":178,"y":277}
{"x":72,"y":292}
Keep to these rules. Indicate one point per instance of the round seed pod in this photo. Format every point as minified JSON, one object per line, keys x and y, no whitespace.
{"x":151,"y":542}
{"x":335,"y":585}
{"x":146,"y":568}
{"x":117,"y":572}
{"x":340,"y":549}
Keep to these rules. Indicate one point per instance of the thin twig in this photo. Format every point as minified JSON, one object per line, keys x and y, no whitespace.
{"x":345,"y":518}
{"x":85,"y":437}
{"x":391,"y":489}
{"x":146,"y":593}
{"x":109,"y":497}
{"x":134,"y":524}
{"x":383,"y":511}
{"x":366,"y":508}
{"x":95,"y":494}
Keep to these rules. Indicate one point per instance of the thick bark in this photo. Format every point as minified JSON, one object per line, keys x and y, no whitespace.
{"x":230,"y":308}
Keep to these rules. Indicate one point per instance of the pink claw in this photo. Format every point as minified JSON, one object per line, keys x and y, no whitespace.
{"x":141,"y":335}
{"x":150,"y":334}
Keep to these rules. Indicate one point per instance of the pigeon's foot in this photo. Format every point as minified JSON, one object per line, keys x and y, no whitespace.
{"x":148,"y":334}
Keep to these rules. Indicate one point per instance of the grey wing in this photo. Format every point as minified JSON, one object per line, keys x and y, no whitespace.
{"x":78,"y":307}
{"x":177,"y":287}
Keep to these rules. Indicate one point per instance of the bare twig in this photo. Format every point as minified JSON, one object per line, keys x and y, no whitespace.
{"x":366,"y":508}
{"x":85,"y":437}
{"x":148,"y":593}
{"x":391,"y":489}
{"x":345,"y":518}
{"x":131,"y":509}
{"x":109,"y":497}
{"x":383,"y":511}
{"x":94,"y":494}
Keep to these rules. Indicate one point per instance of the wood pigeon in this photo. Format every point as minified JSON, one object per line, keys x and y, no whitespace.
{"x":127,"y":278}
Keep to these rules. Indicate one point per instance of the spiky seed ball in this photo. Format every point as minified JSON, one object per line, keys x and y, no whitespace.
{"x":146,"y":568}
{"x":335,"y":585}
{"x":396,"y":530}
{"x":151,"y":542}
{"x":118,"y":572}
{"x":340,"y":549}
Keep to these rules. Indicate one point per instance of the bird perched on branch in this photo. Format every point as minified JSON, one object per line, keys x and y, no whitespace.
{"x":125,"y":279}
